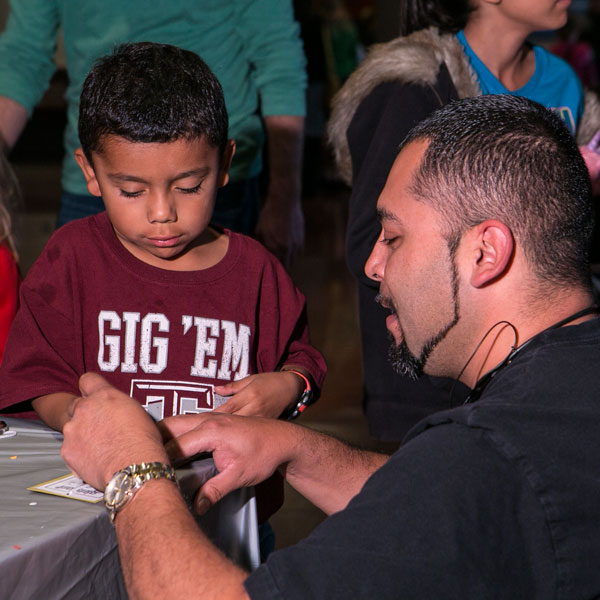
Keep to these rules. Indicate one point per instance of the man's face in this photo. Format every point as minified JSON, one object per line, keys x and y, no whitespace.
{"x":159,"y":196}
{"x":417,"y":273}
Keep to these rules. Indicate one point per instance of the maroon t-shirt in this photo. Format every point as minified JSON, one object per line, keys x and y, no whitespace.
{"x":164,"y":337}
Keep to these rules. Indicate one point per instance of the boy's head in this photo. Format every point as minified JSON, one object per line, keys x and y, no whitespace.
{"x":147,"y":92}
{"x":153,"y":129}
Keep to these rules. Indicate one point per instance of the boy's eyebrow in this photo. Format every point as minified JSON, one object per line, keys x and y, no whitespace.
{"x":121,"y":177}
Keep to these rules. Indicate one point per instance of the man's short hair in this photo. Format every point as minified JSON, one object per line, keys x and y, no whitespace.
{"x":147,"y":92}
{"x":508,"y":158}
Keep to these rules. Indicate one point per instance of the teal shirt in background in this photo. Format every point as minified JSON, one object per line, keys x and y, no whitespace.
{"x":554,"y":84}
{"x":252,"y":46}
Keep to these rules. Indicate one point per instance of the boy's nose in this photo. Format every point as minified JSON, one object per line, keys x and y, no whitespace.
{"x":375,"y":265}
{"x":161,"y":209}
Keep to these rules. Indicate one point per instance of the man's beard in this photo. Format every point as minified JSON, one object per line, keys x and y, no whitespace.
{"x":403,"y":361}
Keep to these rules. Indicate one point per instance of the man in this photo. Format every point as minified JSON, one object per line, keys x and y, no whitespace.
{"x":253,"y":48}
{"x":482,"y":260}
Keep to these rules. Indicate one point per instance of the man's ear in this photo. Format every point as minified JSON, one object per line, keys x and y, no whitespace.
{"x":493,"y":249}
{"x":88,"y":172}
{"x":225,"y":165}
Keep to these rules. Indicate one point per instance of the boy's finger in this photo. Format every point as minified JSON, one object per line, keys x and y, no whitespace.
{"x":73,"y":405}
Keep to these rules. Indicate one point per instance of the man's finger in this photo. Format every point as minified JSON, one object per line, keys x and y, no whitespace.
{"x":214,"y":489}
{"x":187,"y":444}
{"x":90,"y":383}
{"x":172,"y":427}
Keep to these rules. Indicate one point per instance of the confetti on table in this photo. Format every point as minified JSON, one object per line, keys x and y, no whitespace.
{"x":17,"y":547}
{"x":33,"y":504}
{"x":13,"y":457}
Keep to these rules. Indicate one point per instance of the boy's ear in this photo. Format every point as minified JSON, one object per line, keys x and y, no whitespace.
{"x":492,"y":251}
{"x":88,"y":172}
{"x":225,"y":165}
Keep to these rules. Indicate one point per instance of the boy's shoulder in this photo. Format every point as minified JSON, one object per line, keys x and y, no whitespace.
{"x":80,"y":229}
{"x":75,"y":242}
{"x":247,"y":248}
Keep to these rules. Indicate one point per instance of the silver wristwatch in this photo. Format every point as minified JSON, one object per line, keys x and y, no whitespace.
{"x":126,"y":482}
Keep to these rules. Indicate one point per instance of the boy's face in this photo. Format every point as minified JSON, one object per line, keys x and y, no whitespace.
{"x":159,"y":196}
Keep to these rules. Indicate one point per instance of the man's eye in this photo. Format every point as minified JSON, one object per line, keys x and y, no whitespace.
{"x":389,"y":241}
{"x":192,"y":190}
{"x":130,"y":194}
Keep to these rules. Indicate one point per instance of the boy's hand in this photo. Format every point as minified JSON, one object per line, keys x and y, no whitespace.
{"x":261,"y":395}
{"x":591,"y":155}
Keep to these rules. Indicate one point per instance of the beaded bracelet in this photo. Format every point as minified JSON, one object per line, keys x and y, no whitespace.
{"x":305,"y":398}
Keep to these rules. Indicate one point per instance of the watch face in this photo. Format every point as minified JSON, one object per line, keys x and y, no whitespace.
{"x":118,"y":489}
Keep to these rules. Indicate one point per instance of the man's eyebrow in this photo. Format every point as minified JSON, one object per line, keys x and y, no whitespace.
{"x":123,"y":177}
{"x":386,"y":215}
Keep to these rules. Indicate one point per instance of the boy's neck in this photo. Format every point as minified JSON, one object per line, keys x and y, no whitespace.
{"x":206,"y":251}
{"x":503,"y":50}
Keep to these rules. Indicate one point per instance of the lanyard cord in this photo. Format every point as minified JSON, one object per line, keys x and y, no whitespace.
{"x":481,"y":384}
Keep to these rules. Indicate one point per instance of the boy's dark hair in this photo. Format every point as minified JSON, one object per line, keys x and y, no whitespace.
{"x":509,"y":158}
{"x":449,"y":16}
{"x":147,"y":92}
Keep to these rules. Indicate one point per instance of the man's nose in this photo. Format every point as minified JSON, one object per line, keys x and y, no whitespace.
{"x":375,"y":265}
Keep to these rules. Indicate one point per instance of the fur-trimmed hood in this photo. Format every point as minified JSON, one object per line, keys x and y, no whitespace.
{"x":413,"y":59}
{"x":416,"y":59}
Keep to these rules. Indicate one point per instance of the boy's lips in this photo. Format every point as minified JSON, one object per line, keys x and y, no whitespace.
{"x":164,"y":242}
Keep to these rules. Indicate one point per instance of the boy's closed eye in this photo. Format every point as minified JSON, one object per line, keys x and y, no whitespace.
{"x":190,"y":190}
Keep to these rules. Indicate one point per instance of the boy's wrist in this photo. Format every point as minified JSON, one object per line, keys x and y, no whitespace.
{"x":305,"y":397}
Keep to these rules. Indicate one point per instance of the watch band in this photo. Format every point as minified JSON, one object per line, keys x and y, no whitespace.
{"x":124,"y":484}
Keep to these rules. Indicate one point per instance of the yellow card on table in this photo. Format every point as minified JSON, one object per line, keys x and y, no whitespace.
{"x":69,"y":486}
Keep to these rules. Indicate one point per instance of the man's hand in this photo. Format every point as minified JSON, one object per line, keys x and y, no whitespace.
{"x":245,"y":450}
{"x":261,"y":395}
{"x":281,"y":221}
{"x":108,"y":431}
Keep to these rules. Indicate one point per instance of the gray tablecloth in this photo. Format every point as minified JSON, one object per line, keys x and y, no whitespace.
{"x":57,"y":548}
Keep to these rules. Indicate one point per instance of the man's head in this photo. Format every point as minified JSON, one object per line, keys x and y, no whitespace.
{"x":501,"y":173}
{"x":147,"y":92}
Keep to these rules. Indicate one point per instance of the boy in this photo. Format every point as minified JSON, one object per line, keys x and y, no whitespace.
{"x":172,"y":311}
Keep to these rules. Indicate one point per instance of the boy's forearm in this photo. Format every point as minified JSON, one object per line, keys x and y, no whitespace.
{"x":53,"y":408}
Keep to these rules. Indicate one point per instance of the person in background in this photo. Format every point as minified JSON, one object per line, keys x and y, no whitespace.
{"x":252,"y":46}
{"x":448,"y":49}
{"x":10,"y":277}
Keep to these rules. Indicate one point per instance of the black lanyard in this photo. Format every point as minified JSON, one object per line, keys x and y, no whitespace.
{"x":476,"y":392}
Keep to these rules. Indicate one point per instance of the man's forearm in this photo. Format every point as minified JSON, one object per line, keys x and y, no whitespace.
{"x":326,"y":471}
{"x":285,"y":135}
{"x":164,"y":553}
{"x":281,"y":222}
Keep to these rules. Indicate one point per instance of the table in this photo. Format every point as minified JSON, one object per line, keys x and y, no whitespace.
{"x":57,"y":548}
